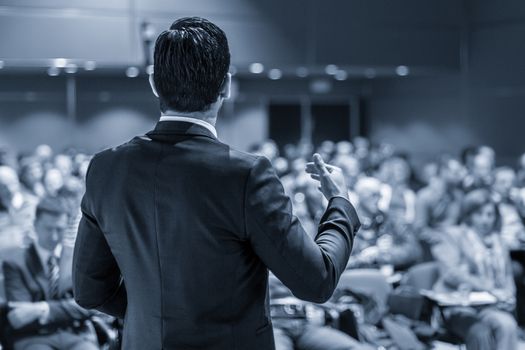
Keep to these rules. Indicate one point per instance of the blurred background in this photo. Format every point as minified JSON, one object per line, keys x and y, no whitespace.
{"x":419,"y":102}
{"x":428,"y":76}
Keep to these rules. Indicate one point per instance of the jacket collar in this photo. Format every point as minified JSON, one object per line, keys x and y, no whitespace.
{"x":165,"y":128}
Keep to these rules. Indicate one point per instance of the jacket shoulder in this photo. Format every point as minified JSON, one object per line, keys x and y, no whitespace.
{"x":243,"y":159}
{"x":16,"y":260}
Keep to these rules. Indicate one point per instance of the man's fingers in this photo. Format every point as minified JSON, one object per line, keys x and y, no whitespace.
{"x":318,"y":160}
{"x":312,"y":168}
{"x":329,"y":167}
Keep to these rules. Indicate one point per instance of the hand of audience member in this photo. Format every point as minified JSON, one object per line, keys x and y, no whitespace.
{"x":331,"y":178}
{"x":24,"y":313}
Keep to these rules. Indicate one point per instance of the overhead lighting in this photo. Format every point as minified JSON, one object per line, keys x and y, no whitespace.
{"x":53,"y":71}
{"x":331,"y":69}
{"x":370,"y":73}
{"x":71,"y":68}
{"x":302,"y":72}
{"x":132,"y":72}
{"x":149,"y":69}
{"x":341,"y":75}
{"x":90,"y":65}
{"x":275,"y":74}
{"x":256,"y":68}
{"x":60,"y":62}
{"x":402,"y":71}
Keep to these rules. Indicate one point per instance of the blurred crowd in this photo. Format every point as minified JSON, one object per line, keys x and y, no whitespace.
{"x":457,"y":218}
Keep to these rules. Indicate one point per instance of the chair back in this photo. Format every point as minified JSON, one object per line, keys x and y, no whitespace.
{"x":368,"y":281}
{"x":422,"y":276}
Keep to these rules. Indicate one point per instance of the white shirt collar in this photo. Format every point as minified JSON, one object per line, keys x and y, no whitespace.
{"x":200,"y":122}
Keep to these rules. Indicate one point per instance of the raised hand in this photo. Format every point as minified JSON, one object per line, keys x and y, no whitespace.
{"x":331,"y":178}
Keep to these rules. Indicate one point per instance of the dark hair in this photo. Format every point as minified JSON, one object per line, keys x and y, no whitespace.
{"x":191,"y":61}
{"x":474,"y":201}
{"x":52,"y":206}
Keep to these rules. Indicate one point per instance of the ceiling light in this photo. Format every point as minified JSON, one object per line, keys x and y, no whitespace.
{"x":341,"y":75}
{"x":90,"y":65}
{"x":132,"y":72}
{"x":331,"y":69}
{"x":275,"y":74}
{"x":256,"y":68}
{"x":60,"y":62}
{"x":402,"y":71}
{"x":71,"y":68}
{"x":53,"y":71}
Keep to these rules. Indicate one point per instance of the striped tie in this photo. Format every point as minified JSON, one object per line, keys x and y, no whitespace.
{"x":52,"y":276}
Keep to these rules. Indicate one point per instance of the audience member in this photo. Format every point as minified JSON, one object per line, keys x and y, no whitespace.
{"x":472,"y":256}
{"x":43,"y":313}
{"x":382,"y":240}
{"x":438,"y":204}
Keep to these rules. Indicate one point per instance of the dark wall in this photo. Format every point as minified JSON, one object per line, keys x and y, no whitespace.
{"x":482,"y":103}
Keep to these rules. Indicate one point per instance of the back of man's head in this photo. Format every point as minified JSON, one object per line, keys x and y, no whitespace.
{"x":191,"y":61}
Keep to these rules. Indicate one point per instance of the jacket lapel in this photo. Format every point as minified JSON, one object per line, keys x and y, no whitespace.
{"x":35,"y":267}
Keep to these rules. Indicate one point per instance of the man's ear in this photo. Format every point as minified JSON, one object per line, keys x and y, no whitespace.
{"x":226,"y":86}
{"x":153,"y":87}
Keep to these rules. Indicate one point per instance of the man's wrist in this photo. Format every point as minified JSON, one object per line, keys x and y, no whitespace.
{"x":44,"y":312}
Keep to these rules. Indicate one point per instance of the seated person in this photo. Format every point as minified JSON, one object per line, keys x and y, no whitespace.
{"x":300,"y":325}
{"x":511,"y":206}
{"x":472,"y":256}
{"x":438,"y":204}
{"x":397,"y":198}
{"x":381,"y":240}
{"x":42,"y":311}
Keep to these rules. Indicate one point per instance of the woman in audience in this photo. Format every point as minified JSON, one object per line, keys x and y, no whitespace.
{"x":472,"y":256}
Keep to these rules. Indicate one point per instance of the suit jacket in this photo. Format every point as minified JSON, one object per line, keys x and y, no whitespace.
{"x":25,"y":280}
{"x":177,"y":236}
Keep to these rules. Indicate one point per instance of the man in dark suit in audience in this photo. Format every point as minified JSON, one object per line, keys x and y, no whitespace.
{"x":43,"y":314}
{"x":179,"y":230}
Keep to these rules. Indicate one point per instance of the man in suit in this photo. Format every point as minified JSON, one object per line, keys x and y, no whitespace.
{"x":179,"y":230}
{"x":42,"y":312}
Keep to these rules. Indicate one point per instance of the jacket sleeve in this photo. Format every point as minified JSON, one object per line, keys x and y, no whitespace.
{"x":66,"y":310}
{"x":61,"y":311}
{"x":15,"y":288}
{"x":309,"y":267}
{"x":97,"y":281}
